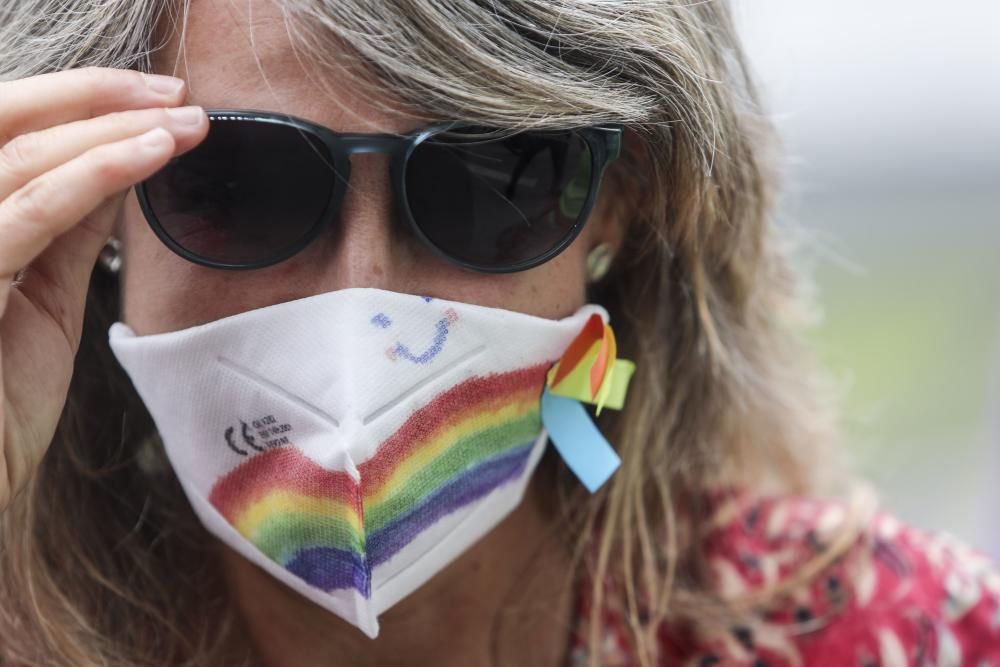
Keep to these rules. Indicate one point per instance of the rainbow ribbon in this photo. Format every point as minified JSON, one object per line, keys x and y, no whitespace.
{"x":588,"y":372}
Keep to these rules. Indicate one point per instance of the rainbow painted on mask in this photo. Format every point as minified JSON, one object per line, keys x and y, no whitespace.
{"x":330,"y":530}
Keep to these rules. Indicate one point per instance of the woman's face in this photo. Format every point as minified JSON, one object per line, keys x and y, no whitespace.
{"x":164,"y":292}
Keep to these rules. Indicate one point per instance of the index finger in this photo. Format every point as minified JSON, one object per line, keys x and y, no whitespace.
{"x":45,"y":100}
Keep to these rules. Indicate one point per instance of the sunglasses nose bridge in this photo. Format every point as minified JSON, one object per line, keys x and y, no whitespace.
{"x":371,"y":143}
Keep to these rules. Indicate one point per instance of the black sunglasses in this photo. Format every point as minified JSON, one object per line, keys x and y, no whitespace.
{"x":261,"y":186}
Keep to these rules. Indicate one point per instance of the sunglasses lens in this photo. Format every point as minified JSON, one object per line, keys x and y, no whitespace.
{"x":250,"y":192}
{"x":497,"y":203}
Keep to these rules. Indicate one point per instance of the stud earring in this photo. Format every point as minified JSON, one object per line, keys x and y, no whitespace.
{"x":599,"y":261}
{"x":110,"y":258}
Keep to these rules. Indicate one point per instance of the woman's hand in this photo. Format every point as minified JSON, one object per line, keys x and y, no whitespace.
{"x":72,"y":143}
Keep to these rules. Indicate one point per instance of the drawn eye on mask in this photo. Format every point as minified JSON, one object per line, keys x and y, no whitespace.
{"x":400,"y":350}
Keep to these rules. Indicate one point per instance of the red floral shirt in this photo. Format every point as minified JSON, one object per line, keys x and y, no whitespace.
{"x":897,"y":596}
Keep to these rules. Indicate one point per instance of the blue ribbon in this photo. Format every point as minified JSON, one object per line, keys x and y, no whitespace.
{"x":573,"y":433}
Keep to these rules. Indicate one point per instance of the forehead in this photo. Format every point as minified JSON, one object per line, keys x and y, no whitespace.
{"x":240,"y":55}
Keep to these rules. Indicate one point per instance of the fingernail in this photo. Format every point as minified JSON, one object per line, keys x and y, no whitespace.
{"x":163,"y":85}
{"x":186,"y":115}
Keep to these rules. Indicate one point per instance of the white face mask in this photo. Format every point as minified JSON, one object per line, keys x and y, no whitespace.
{"x":352,"y":443}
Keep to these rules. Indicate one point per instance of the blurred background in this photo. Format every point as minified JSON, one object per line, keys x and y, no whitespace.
{"x":890,"y":113}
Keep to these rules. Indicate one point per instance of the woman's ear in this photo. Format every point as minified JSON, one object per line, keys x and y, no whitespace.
{"x":607,"y":229}
{"x":613,"y":212}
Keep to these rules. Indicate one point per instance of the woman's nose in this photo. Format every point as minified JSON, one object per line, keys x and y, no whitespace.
{"x":363,"y":246}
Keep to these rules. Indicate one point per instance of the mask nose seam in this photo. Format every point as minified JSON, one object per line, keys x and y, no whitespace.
{"x":359,"y":502}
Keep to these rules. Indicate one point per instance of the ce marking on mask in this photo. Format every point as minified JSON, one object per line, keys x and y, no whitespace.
{"x":267,"y":432}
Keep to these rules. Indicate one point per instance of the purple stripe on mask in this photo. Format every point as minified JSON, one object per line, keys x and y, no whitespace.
{"x":471,"y":485}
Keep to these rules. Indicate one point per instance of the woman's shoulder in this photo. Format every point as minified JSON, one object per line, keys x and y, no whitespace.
{"x":828,"y":583}
{"x":891,"y":594}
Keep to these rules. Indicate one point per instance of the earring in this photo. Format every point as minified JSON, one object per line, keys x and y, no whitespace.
{"x":110,"y":258}
{"x":599,"y":261}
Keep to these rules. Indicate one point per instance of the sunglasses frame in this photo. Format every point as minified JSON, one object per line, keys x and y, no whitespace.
{"x":603,"y":141}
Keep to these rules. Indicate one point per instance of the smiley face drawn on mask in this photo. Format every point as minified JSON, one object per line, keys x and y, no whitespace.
{"x":402,"y":351}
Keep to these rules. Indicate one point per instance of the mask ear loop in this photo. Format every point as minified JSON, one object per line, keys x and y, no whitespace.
{"x":150,"y":456}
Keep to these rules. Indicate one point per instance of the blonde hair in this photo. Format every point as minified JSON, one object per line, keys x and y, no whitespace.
{"x":102,"y":561}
